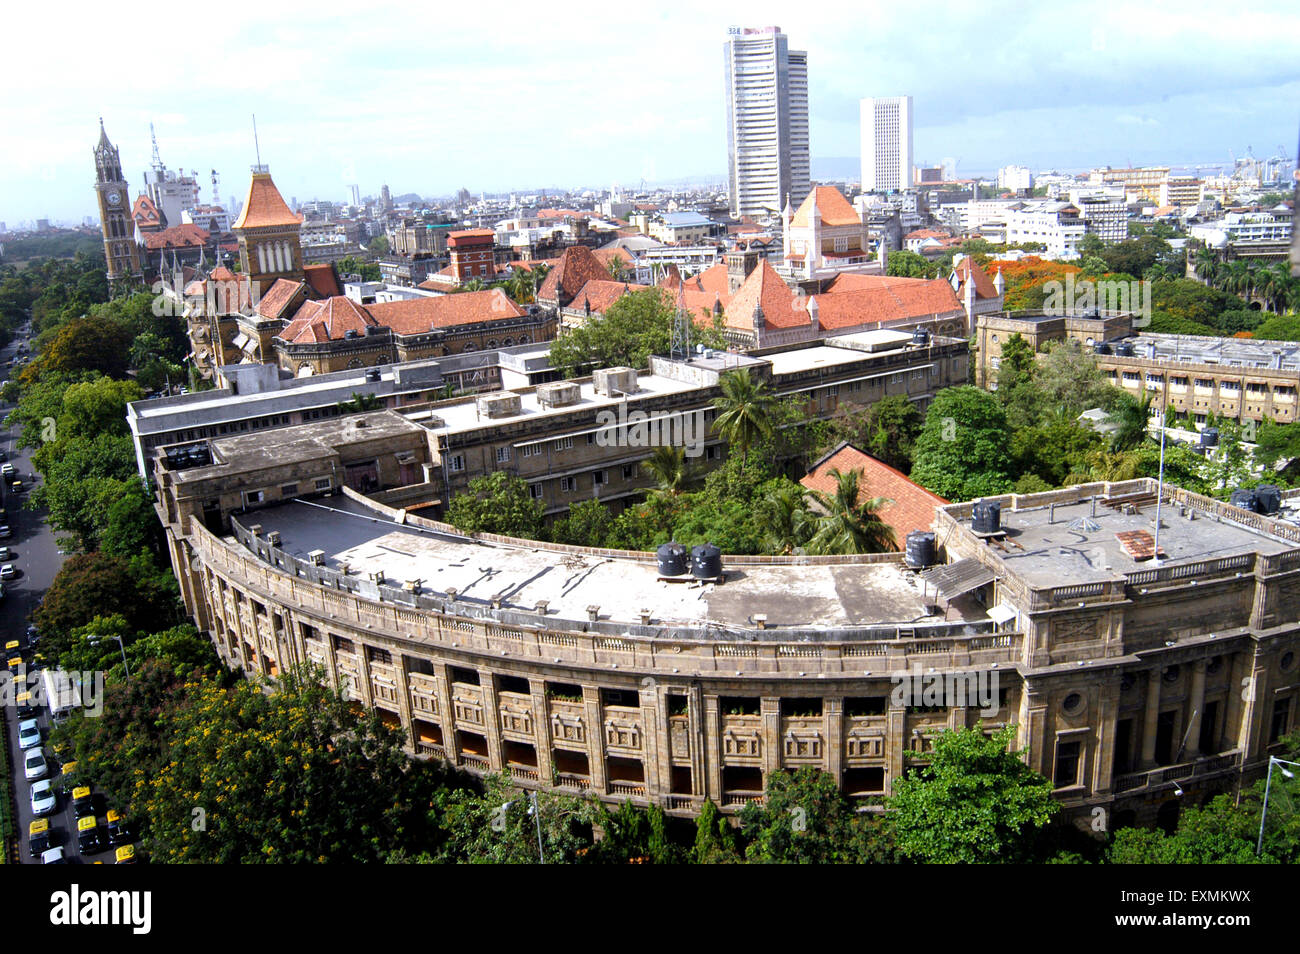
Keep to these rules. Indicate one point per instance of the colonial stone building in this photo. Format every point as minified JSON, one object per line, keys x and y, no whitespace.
{"x":1136,"y":686}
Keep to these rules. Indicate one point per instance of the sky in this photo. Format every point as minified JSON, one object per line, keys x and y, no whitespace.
{"x":513,"y":96}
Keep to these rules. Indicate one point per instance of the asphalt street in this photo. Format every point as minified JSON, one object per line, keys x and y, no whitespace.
{"x":36,"y":557}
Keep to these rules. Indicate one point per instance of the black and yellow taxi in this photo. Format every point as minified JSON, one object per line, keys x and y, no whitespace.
{"x":38,"y":835}
{"x":82,"y":803}
{"x":89,"y":840}
{"x":118,"y":833}
{"x":125,"y":855}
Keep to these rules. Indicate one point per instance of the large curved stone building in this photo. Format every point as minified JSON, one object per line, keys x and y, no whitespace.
{"x":1134,"y":687}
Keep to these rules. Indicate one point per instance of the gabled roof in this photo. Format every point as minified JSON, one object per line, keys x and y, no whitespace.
{"x":764,"y":287}
{"x":328,"y":320}
{"x":887,"y":300}
{"x":419,"y":315}
{"x":145,"y":213}
{"x":983,"y":284}
{"x":324,"y":281}
{"x":912,"y":507}
{"x":577,"y":266}
{"x":601,"y":293}
{"x":833,"y":208}
{"x":264,"y":207}
{"x":178,"y":236}
{"x":278,"y":297}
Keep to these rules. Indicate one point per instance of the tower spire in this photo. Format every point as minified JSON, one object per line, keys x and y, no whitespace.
{"x":157,"y":159}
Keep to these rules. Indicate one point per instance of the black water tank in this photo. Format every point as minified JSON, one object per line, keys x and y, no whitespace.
{"x":672,"y":559}
{"x":706,"y":562}
{"x":1210,"y":437}
{"x":986,"y":517}
{"x":372,"y":374}
{"x":1246,"y":500}
{"x":920,"y":337}
{"x":1124,"y":349}
{"x":1269,"y":498}
{"x":919,"y":552}
{"x":1102,"y":348}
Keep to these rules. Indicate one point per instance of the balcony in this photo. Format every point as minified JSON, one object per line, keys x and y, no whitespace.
{"x":679,"y":738}
{"x":623,"y":730}
{"x":568,"y":724}
{"x":516,"y":715}
{"x":1154,"y":778}
{"x":742,"y":738}
{"x":424,"y":693}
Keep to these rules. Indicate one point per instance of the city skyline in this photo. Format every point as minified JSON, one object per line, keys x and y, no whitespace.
{"x":1018,"y":89}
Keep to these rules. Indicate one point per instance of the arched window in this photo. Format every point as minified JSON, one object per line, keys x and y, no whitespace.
{"x":492,"y":342}
{"x":468,"y":348}
{"x":523,"y":339}
{"x":507,"y":343}
{"x":355,"y":363}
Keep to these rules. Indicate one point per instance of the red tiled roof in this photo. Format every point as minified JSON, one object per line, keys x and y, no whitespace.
{"x":278,"y":297}
{"x":764,"y":286}
{"x":328,"y":320}
{"x":832,"y":207}
{"x":470,"y":237}
{"x":926,"y":233}
{"x":324,"y":281}
{"x":264,"y":206}
{"x":886,"y":303}
{"x":576,"y":267}
{"x":145,"y":213}
{"x":703,"y":291}
{"x":912,"y":507}
{"x":983,"y":284}
{"x":419,"y":315}
{"x":601,"y":293}
{"x":178,"y":236}
{"x":607,"y":255}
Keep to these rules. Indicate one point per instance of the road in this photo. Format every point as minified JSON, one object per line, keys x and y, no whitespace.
{"x":36,"y":557}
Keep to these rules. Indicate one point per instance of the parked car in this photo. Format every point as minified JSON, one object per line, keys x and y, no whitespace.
{"x":5,"y":531}
{"x":29,"y":734}
{"x":34,"y":764}
{"x":6,"y":553}
{"x":7,"y":470}
{"x":89,"y":840}
{"x":54,"y":856}
{"x":82,"y":805}
{"x":38,"y":841}
{"x":7,"y":571}
{"x":43,"y":798}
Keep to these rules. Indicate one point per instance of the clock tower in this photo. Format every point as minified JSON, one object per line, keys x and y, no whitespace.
{"x":121,"y":253}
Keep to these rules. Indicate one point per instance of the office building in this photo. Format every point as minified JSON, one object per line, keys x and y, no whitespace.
{"x":886,"y":144}
{"x":767,"y":121}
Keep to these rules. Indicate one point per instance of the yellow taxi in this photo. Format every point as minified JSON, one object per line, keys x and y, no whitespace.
{"x":39,"y":837}
{"x":26,"y":707}
{"x":81,"y":802}
{"x":88,"y":837}
{"x":12,"y":648}
{"x":125,"y":855}
{"x":117,"y":830}
{"x":15,"y":662}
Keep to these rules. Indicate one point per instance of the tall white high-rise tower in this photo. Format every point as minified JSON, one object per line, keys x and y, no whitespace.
{"x":767,"y":121}
{"x":887,"y":144}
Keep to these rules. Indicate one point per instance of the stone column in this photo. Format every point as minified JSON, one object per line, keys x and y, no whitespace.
{"x":769,"y":708}
{"x":542,"y":731}
{"x":1197,"y":711}
{"x":833,"y":719}
{"x":712,"y":749}
{"x":595,"y":739}
{"x":404,"y":700}
{"x":1107,"y":722}
{"x":446,"y":712}
{"x":1150,"y":719}
{"x":896,"y":739}
{"x":654,"y":759}
{"x":487,"y":688}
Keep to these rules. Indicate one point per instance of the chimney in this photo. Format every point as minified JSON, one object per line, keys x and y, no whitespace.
{"x":814,"y":310}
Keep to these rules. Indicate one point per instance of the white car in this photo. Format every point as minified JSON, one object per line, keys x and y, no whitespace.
{"x":34,"y":765}
{"x":6,"y":553}
{"x":5,"y":531}
{"x":7,"y":571}
{"x":43,"y":798}
{"x":53,"y":856}
{"x":29,"y":734}
{"x":7,"y":470}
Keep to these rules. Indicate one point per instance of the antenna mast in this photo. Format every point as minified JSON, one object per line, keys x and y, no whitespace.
{"x":256,"y":148}
{"x":681,"y":343}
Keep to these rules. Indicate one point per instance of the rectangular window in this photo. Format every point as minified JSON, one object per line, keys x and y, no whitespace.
{"x":568,"y":484}
{"x":1067,"y":764}
{"x":591,"y":439}
{"x":289,"y":490}
{"x":323,"y":483}
{"x":535,"y":491}
{"x":254,"y":496}
{"x":628,"y":473}
{"x":503,"y":455}
{"x":599,"y":477}
{"x":564,"y":443}
{"x":456,"y":463}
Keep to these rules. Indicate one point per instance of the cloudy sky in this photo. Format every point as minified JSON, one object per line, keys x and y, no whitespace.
{"x":511,"y":95}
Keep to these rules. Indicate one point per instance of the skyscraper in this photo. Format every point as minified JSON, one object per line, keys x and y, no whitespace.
{"x":767,"y":121}
{"x":887,"y":144}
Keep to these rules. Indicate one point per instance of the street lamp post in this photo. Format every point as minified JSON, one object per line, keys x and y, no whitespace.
{"x":1272,"y":760}
{"x":94,"y":641}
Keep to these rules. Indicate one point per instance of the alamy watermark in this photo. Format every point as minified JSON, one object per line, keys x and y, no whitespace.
{"x":915,"y":687}
{"x":1106,"y":295}
{"x":56,"y":689}
{"x":624,"y":428}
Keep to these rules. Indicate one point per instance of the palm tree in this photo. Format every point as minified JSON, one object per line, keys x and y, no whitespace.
{"x":1133,"y":417}
{"x":615,"y":268}
{"x":850,"y":525}
{"x":746,"y":409}
{"x":671,"y":470}
{"x":1207,"y":266}
{"x":473,"y":285}
{"x":519,"y":286}
{"x":789,"y":522}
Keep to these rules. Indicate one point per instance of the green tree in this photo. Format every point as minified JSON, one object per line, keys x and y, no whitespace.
{"x":671,"y":469}
{"x":1132,"y":418}
{"x":1016,"y":365}
{"x":498,"y":503}
{"x":745,"y":410}
{"x":962,"y":451}
{"x":974,"y":803}
{"x":848,"y":523}
{"x":783,"y":512}
{"x":360,"y":402}
{"x":86,"y":344}
{"x":805,"y":819}
{"x":891,"y":427}
{"x":497,"y":827}
{"x":715,"y":841}
{"x":905,"y":264}
{"x":587,"y":524}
